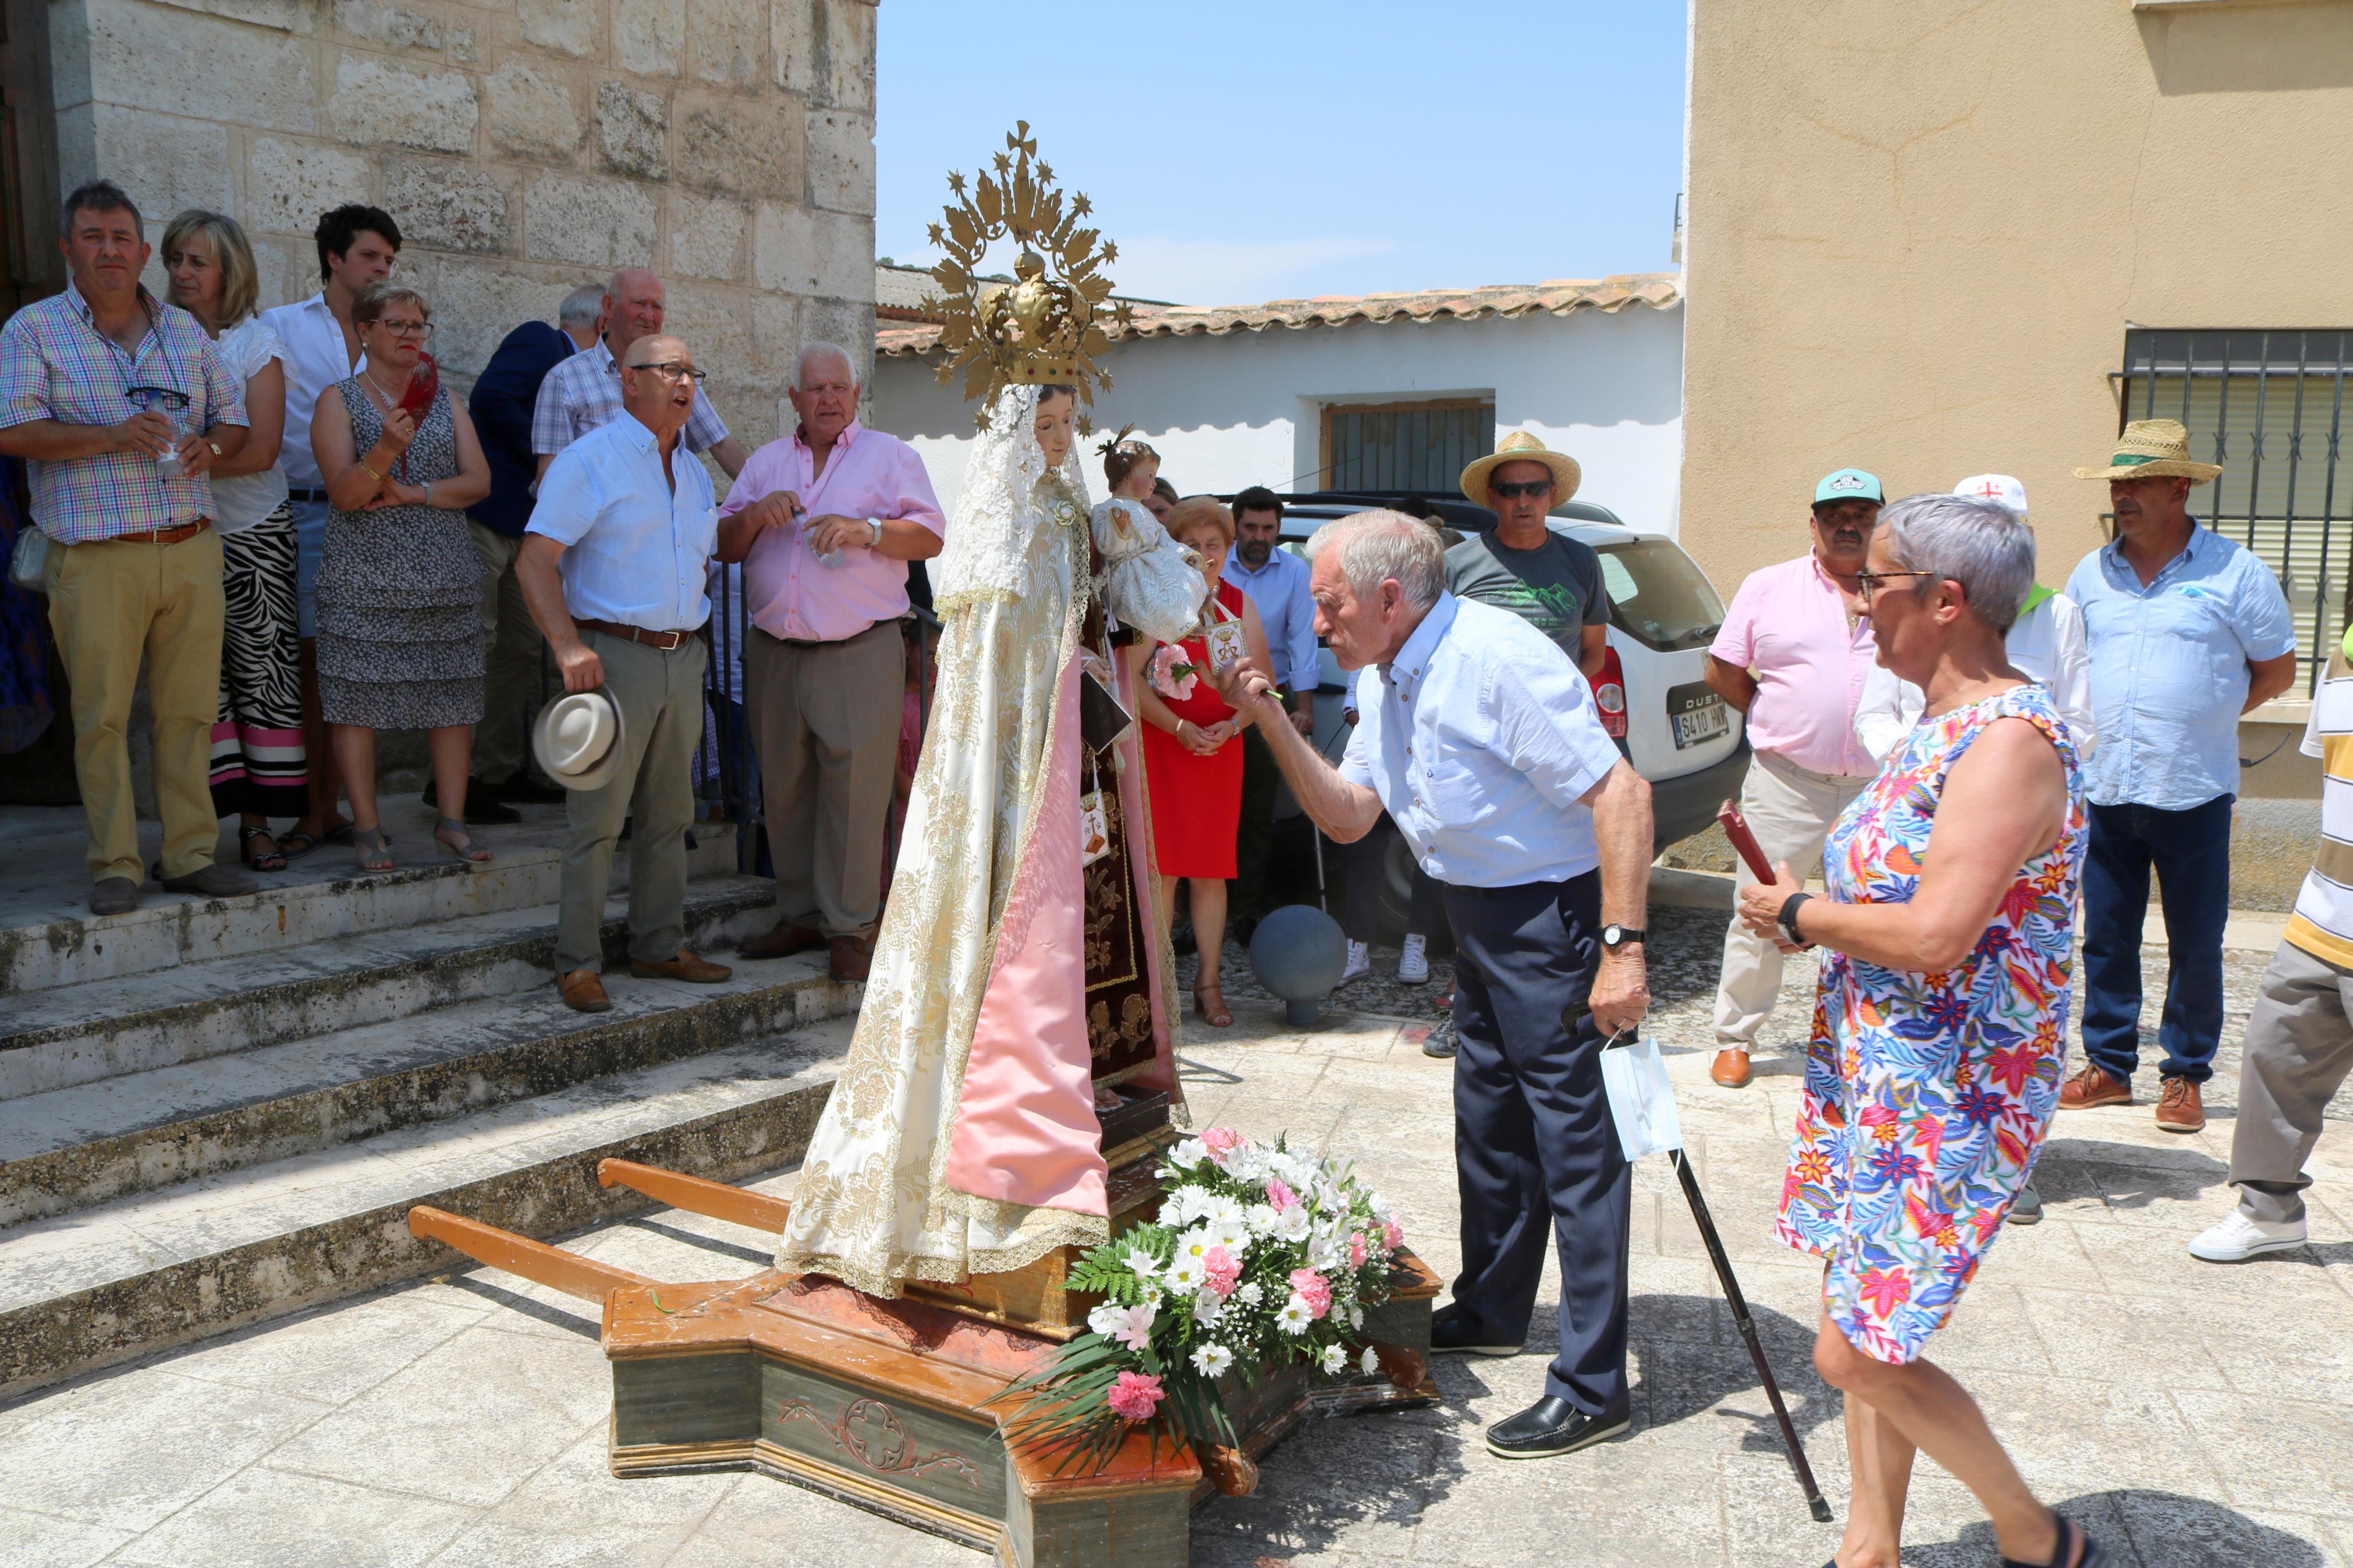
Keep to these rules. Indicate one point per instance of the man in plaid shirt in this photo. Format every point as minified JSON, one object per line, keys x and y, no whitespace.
{"x":584,"y":393}
{"x":120,"y":405}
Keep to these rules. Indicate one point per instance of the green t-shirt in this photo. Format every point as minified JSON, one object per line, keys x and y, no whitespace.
{"x":1555,"y":587}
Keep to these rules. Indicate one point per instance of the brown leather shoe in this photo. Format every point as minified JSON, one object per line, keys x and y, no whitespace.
{"x":783,"y":941}
{"x":688,"y":965}
{"x":1731,"y":1068}
{"x":583,"y":991}
{"x":2180,"y":1106}
{"x":2091,"y":1087}
{"x":848,"y":958}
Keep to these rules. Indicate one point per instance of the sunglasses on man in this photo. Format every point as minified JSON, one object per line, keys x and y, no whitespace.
{"x":1530,"y":488}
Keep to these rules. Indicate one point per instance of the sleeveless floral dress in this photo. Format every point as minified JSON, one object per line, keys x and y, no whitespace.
{"x":1927,"y":1096}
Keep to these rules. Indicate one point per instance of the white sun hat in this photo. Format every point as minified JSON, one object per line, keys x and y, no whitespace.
{"x":1995,"y":487}
{"x":580,"y":740}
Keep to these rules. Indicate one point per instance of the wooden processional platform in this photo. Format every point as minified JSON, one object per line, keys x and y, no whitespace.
{"x":885,"y":1405}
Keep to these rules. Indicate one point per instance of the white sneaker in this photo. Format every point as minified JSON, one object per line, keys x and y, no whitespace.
{"x":2238,"y":1238}
{"x":1413,"y":966}
{"x":1360,"y":962}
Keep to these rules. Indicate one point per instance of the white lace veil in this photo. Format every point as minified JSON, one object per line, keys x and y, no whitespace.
{"x":1008,"y":497}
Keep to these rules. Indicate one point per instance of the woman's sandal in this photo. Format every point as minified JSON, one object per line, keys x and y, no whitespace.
{"x":374,"y":846}
{"x":1213,"y":1013}
{"x":2071,"y":1538}
{"x":451,"y":835}
{"x":271,"y":859}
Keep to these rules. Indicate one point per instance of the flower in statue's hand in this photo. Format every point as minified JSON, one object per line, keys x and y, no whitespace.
{"x":1134,"y":1396}
{"x":1368,"y":1363}
{"x":1171,"y":675}
{"x":1311,"y":1287}
{"x":1220,"y":1271}
{"x":1294,"y":1316}
{"x":1212,"y":1359}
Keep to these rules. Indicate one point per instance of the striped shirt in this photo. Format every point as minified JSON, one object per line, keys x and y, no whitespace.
{"x":583,"y":394}
{"x":2322,"y":924}
{"x":55,"y":364}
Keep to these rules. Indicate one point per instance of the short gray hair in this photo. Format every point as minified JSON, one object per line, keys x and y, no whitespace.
{"x":1376,"y":546}
{"x":822,"y":349}
{"x":582,"y":306}
{"x":1980,"y":544}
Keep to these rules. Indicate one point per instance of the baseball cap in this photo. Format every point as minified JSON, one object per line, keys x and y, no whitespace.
{"x":1995,"y":487}
{"x":1849,"y":484}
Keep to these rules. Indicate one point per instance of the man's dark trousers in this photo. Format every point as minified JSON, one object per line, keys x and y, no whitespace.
{"x":1254,"y":837}
{"x":1532,"y":1138}
{"x":2190,"y":853}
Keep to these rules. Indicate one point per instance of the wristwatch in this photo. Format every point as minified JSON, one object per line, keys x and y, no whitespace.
{"x":1787,"y":919}
{"x":1615,"y":936}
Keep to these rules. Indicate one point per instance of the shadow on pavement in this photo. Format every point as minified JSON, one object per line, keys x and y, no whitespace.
{"x":2156,"y":1529}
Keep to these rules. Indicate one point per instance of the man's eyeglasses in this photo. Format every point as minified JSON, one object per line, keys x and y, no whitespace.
{"x":1867,"y":582}
{"x":672,"y":370}
{"x":158,"y":399}
{"x":407,"y":329}
{"x":1531,"y":488}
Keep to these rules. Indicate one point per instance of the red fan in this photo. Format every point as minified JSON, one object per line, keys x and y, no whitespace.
{"x":422,"y":384}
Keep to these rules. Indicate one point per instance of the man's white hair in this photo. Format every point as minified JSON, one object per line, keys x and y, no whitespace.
{"x":1377,"y":547}
{"x":822,"y":349}
{"x":582,"y":306}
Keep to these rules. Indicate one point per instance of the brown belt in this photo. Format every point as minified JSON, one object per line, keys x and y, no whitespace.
{"x":666,"y":641}
{"x":156,"y":535}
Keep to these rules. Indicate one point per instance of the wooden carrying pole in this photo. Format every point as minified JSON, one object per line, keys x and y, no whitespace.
{"x":519,"y":1255}
{"x":715,"y":1200}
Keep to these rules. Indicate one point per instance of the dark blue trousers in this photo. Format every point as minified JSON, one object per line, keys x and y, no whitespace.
{"x":1535,"y":1150}
{"x":2190,"y":853}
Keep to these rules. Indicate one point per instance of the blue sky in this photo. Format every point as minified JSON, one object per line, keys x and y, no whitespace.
{"x":1245,"y":151}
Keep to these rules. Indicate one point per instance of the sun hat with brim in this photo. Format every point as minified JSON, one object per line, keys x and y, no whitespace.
{"x":2153,"y":449}
{"x":1519,"y":447}
{"x":579,"y":739}
{"x":1849,"y":484}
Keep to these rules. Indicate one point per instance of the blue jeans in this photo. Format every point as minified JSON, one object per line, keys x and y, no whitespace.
{"x":2190,"y":853}
{"x":311,"y":548}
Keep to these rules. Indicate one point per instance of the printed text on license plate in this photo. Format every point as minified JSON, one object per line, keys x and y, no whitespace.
{"x":1701,"y":724}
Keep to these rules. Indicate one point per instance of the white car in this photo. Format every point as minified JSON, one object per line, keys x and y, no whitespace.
{"x":1664,"y":614}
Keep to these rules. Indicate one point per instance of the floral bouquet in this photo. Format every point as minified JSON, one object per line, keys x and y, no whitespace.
{"x":1171,"y":675}
{"x":1260,"y":1259}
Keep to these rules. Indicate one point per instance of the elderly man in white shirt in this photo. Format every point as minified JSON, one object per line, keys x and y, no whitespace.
{"x":614,"y":565}
{"x":2046,"y":644}
{"x":1481,"y":742}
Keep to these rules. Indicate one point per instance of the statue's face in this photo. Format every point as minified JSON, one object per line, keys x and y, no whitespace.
{"x":1056,"y":425}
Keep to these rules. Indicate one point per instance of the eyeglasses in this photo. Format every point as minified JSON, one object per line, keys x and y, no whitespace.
{"x":419,"y":330}
{"x":672,"y":370}
{"x":168,"y":399}
{"x":1530,"y":488}
{"x":1868,"y":583}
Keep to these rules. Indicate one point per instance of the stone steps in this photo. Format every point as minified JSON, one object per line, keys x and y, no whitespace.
{"x":201,"y":1257}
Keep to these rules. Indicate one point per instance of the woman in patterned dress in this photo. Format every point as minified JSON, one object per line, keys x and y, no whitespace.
{"x":400,"y":624}
{"x":1941,"y":1023}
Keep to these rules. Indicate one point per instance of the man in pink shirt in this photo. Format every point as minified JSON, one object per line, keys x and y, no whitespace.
{"x":826,"y":520}
{"x":1793,"y":655}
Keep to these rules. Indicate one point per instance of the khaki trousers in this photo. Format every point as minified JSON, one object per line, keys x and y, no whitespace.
{"x":825,"y":719}
{"x":1791,"y":810}
{"x":2299,"y":1051}
{"x":510,"y":687}
{"x":659,"y":695}
{"x":109,"y":604}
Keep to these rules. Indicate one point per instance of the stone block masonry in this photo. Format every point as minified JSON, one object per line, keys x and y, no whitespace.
{"x":525,"y":147}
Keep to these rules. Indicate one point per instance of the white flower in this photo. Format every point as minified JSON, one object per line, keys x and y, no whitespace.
{"x":1184,"y":1204}
{"x":1104,"y":1319}
{"x":1261,"y":1218}
{"x":1249,"y":1165}
{"x":1325,"y":1253}
{"x":1143,"y":1265}
{"x":1185,"y":1274}
{"x":1230,"y":1233}
{"x":1380,"y":1205}
{"x":1355,"y":1314}
{"x":1292,"y":1223}
{"x":1208,"y":1307}
{"x":1131,"y":1326}
{"x":1368,"y":1363}
{"x":1221,"y":1208}
{"x":1333,"y":1358}
{"x":1188,"y":1153}
{"x":1295,"y":1315}
{"x":1193,"y":1246}
{"x":1211,"y":1359}
{"x":1251,"y":1294}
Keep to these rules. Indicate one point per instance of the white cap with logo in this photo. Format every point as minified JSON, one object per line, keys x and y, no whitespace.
{"x":1995,"y":487}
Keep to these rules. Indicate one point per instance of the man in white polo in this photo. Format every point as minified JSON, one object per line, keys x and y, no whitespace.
{"x":613,"y":567}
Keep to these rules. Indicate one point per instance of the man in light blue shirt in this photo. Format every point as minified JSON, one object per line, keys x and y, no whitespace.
{"x":613,"y":567}
{"x":1276,"y":582}
{"x":2186,"y":631}
{"x":1481,"y":741}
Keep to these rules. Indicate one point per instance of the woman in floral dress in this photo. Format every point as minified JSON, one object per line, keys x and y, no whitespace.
{"x":1940,"y":1029}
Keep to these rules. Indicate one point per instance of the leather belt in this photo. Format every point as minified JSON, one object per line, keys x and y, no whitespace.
{"x":298,"y":493}
{"x":156,"y":535}
{"x":666,"y":641}
{"x":871,"y":628}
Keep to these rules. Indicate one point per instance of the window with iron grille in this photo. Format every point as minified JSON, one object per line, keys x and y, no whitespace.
{"x":1419,"y":446}
{"x":2268,"y":405}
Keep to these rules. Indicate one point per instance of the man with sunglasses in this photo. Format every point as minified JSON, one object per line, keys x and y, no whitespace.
{"x":1547,"y":579}
{"x":119,"y":404}
{"x":1794,"y":655}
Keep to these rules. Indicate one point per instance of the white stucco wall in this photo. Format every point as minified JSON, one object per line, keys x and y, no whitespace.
{"x":1246,"y":408}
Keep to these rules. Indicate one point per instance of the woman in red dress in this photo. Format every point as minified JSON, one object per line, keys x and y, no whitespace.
{"x":1192,"y":758}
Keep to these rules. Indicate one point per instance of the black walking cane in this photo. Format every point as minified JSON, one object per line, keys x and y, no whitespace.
{"x":1747,"y":1325}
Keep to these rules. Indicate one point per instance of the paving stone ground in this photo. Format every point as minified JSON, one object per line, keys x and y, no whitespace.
{"x":2188,"y":1414}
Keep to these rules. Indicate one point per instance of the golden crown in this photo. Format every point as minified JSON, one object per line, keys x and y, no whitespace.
{"x":1043,"y":327}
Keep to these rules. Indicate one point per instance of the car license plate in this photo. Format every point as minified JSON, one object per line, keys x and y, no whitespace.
{"x":1703,"y":724}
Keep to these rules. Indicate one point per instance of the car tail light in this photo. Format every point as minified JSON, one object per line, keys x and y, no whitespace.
{"x":1610,"y":695}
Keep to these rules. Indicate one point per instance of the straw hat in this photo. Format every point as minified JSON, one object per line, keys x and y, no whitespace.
{"x":580,"y":740}
{"x":1519,"y":447}
{"x":2153,"y":449}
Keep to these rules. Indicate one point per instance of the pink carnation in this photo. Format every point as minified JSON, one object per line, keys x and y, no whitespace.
{"x":1170,"y":675}
{"x":1280,"y":1195}
{"x":1392,"y":1235}
{"x":1223,"y":1143}
{"x":1134,"y":1396}
{"x":1357,"y":1249}
{"x":1219,"y":1271}
{"x":1311,"y":1288}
